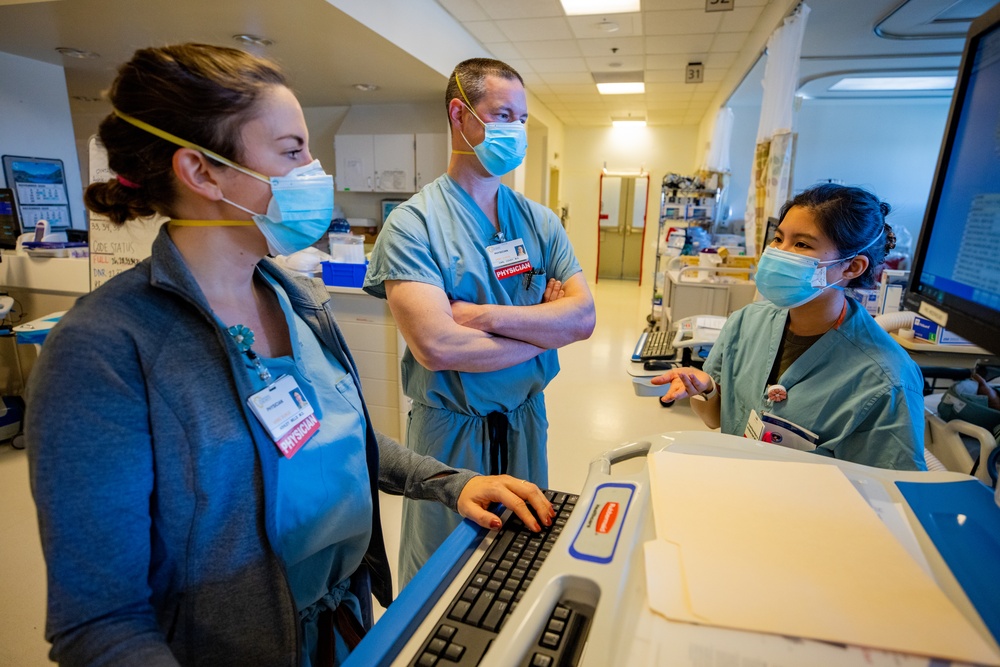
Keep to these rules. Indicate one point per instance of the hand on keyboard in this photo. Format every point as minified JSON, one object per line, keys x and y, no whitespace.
{"x":519,"y":495}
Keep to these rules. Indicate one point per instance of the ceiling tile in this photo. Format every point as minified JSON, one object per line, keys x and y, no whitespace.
{"x":624,"y":63}
{"x":681,"y":22}
{"x":741,"y":19}
{"x":679,"y":44}
{"x":668,"y":5}
{"x":531,"y":78}
{"x":567,"y":77}
{"x":723,"y":60}
{"x":573,"y":88}
{"x":585,"y":27}
{"x":673,"y":76}
{"x":664,"y":117}
{"x":523,"y":67}
{"x":627,"y":46}
{"x":574,"y":99}
{"x":519,"y":30}
{"x":485,"y":31}
{"x":542,"y":65}
{"x":464,"y":10}
{"x":503,"y":50}
{"x":675,"y":63}
{"x":726,"y":42}
{"x":553,"y":48}
{"x":678,"y":88}
{"x":517,"y":9}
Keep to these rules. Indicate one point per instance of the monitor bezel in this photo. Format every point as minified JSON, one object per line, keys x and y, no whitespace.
{"x":956,"y":314}
{"x":8,"y":173}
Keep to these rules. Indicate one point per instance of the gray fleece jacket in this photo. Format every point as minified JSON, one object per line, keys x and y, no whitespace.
{"x":155,"y":485}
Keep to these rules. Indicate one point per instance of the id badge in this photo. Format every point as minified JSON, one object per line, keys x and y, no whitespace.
{"x":284,"y":411}
{"x":509,"y":259}
{"x":755,"y":426}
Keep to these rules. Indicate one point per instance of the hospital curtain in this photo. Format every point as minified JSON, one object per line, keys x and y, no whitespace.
{"x":770,"y":183}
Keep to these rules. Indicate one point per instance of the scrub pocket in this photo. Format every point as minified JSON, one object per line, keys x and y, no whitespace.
{"x":527,"y":288}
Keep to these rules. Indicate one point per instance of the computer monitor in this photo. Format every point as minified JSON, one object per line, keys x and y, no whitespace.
{"x":40,"y":192}
{"x":955,"y":280}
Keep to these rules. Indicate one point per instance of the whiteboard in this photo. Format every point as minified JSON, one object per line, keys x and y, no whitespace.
{"x":115,"y":248}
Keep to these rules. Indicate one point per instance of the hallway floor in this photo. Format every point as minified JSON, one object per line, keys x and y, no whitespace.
{"x":591,"y":408}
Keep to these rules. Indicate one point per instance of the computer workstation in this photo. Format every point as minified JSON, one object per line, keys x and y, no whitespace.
{"x":944,"y":527}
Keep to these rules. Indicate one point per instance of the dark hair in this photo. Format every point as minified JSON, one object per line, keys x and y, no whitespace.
{"x":198,"y":92}
{"x":472,"y":75}
{"x":852,"y":218}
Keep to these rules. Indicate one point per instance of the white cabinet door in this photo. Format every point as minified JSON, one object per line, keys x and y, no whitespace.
{"x":355,"y":162}
{"x":432,"y":157}
{"x":393,"y":162}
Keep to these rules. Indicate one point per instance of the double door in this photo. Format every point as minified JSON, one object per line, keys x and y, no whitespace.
{"x":621,"y":226}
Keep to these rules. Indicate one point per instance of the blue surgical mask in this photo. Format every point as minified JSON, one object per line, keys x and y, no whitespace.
{"x":789,"y":280}
{"x":300,"y":209}
{"x":504,"y":146}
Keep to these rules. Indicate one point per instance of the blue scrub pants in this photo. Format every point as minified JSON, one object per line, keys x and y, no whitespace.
{"x":463,"y":441}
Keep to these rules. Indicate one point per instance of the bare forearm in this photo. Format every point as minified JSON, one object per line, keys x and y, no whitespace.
{"x":709,"y":410}
{"x":473,"y":351}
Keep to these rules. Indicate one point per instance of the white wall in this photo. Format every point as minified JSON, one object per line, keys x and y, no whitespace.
{"x":887,"y":146}
{"x":658,"y":150}
{"x":35,"y":120}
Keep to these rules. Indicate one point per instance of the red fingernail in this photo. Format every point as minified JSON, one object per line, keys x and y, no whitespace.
{"x":495,"y":523}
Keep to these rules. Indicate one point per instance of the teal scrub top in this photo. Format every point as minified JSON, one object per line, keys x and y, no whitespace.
{"x":855,"y":387}
{"x":324,"y":504}
{"x":439,"y":237}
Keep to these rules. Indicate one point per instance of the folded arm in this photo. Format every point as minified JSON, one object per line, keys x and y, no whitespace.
{"x":551,"y":324}
{"x":424,"y":317}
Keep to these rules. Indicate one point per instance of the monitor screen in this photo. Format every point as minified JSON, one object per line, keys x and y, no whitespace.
{"x":39,"y":186}
{"x":956,"y":272}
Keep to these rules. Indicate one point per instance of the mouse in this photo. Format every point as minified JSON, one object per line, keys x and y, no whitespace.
{"x":657,"y":365}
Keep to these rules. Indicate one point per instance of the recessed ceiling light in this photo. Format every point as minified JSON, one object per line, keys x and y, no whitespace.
{"x":581,"y":7}
{"x":899,"y":83}
{"x":253,"y":40}
{"x":607,"y":26}
{"x":619,"y":83}
{"x":630,"y":121}
{"x":615,"y":64}
{"x":365,"y":87}
{"x":77,"y":53}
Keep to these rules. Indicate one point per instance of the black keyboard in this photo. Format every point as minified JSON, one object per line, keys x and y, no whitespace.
{"x":478,"y":612}
{"x":658,"y":345}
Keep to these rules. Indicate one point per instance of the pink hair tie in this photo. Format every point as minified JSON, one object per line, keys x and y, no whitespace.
{"x":127,"y":183}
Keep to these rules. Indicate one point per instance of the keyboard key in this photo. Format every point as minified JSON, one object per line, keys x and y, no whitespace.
{"x":470,"y":593}
{"x":556,"y":626}
{"x":559,"y":499}
{"x":436,"y":646}
{"x":459,"y":611}
{"x":550,"y":640}
{"x":446,"y":632}
{"x":479,"y":580}
{"x":541,"y":660}
{"x":506,"y":595}
{"x":454,"y":652}
{"x":495,"y":616}
{"x":487,"y":568}
{"x":479,"y":609}
{"x":427,"y":660}
{"x":560,"y":613}
{"x":493,"y":585}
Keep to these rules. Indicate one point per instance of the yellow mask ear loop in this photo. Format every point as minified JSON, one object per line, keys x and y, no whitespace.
{"x":468,"y":105}
{"x":183,"y":143}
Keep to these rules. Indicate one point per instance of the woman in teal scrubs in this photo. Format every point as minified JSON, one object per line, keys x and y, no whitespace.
{"x":809,"y":355}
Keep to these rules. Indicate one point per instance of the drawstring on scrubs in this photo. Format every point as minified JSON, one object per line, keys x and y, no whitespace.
{"x":497,"y":423}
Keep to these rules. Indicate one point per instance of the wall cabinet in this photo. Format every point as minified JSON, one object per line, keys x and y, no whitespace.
{"x":388,"y":162}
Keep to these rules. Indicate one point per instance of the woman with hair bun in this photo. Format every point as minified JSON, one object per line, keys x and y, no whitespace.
{"x":204,"y":467}
{"x":809,"y":368}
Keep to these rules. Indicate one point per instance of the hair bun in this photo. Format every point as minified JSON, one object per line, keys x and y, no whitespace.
{"x":884,"y":207}
{"x":890,"y":237}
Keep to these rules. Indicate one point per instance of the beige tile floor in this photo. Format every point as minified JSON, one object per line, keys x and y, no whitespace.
{"x":591,"y":408}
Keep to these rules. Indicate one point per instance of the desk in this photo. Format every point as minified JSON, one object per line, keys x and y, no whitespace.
{"x":624,"y":631}
{"x":949,"y":356}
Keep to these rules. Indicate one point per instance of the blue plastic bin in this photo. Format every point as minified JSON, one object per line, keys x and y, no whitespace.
{"x":340,"y":274}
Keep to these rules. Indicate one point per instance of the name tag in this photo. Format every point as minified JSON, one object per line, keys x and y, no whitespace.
{"x":509,"y":259}
{"x":755,"y":426}
{"x":284,"y":412}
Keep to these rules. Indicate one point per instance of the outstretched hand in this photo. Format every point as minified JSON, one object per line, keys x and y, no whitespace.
{"x":516,"y":494}
{"x":992,"y":397}
{"x":684,"y":383}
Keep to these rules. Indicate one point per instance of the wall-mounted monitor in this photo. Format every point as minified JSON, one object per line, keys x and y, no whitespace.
{"x":40,"y":191}
{"x":955,"y":280}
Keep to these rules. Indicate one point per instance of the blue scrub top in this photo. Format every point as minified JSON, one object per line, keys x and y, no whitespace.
{"x":855,"y":387}
{"x":324,"y":503}
{"x":439,"y":237}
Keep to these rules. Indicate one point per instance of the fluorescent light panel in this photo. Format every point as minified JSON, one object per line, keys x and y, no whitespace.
{"x":898,"y":83}
{"x":628,"y":122}
{"x":586,"y":7}
{"x":622,"y":88}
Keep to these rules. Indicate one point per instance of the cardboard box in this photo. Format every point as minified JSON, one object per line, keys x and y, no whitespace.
{"x":929,"y":332}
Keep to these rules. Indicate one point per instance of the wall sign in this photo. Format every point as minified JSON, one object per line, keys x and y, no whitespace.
{"x":695,"y":73}
{"x":719,"y":5}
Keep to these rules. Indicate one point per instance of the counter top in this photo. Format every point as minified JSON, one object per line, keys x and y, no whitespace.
{"x":61,"y":275}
